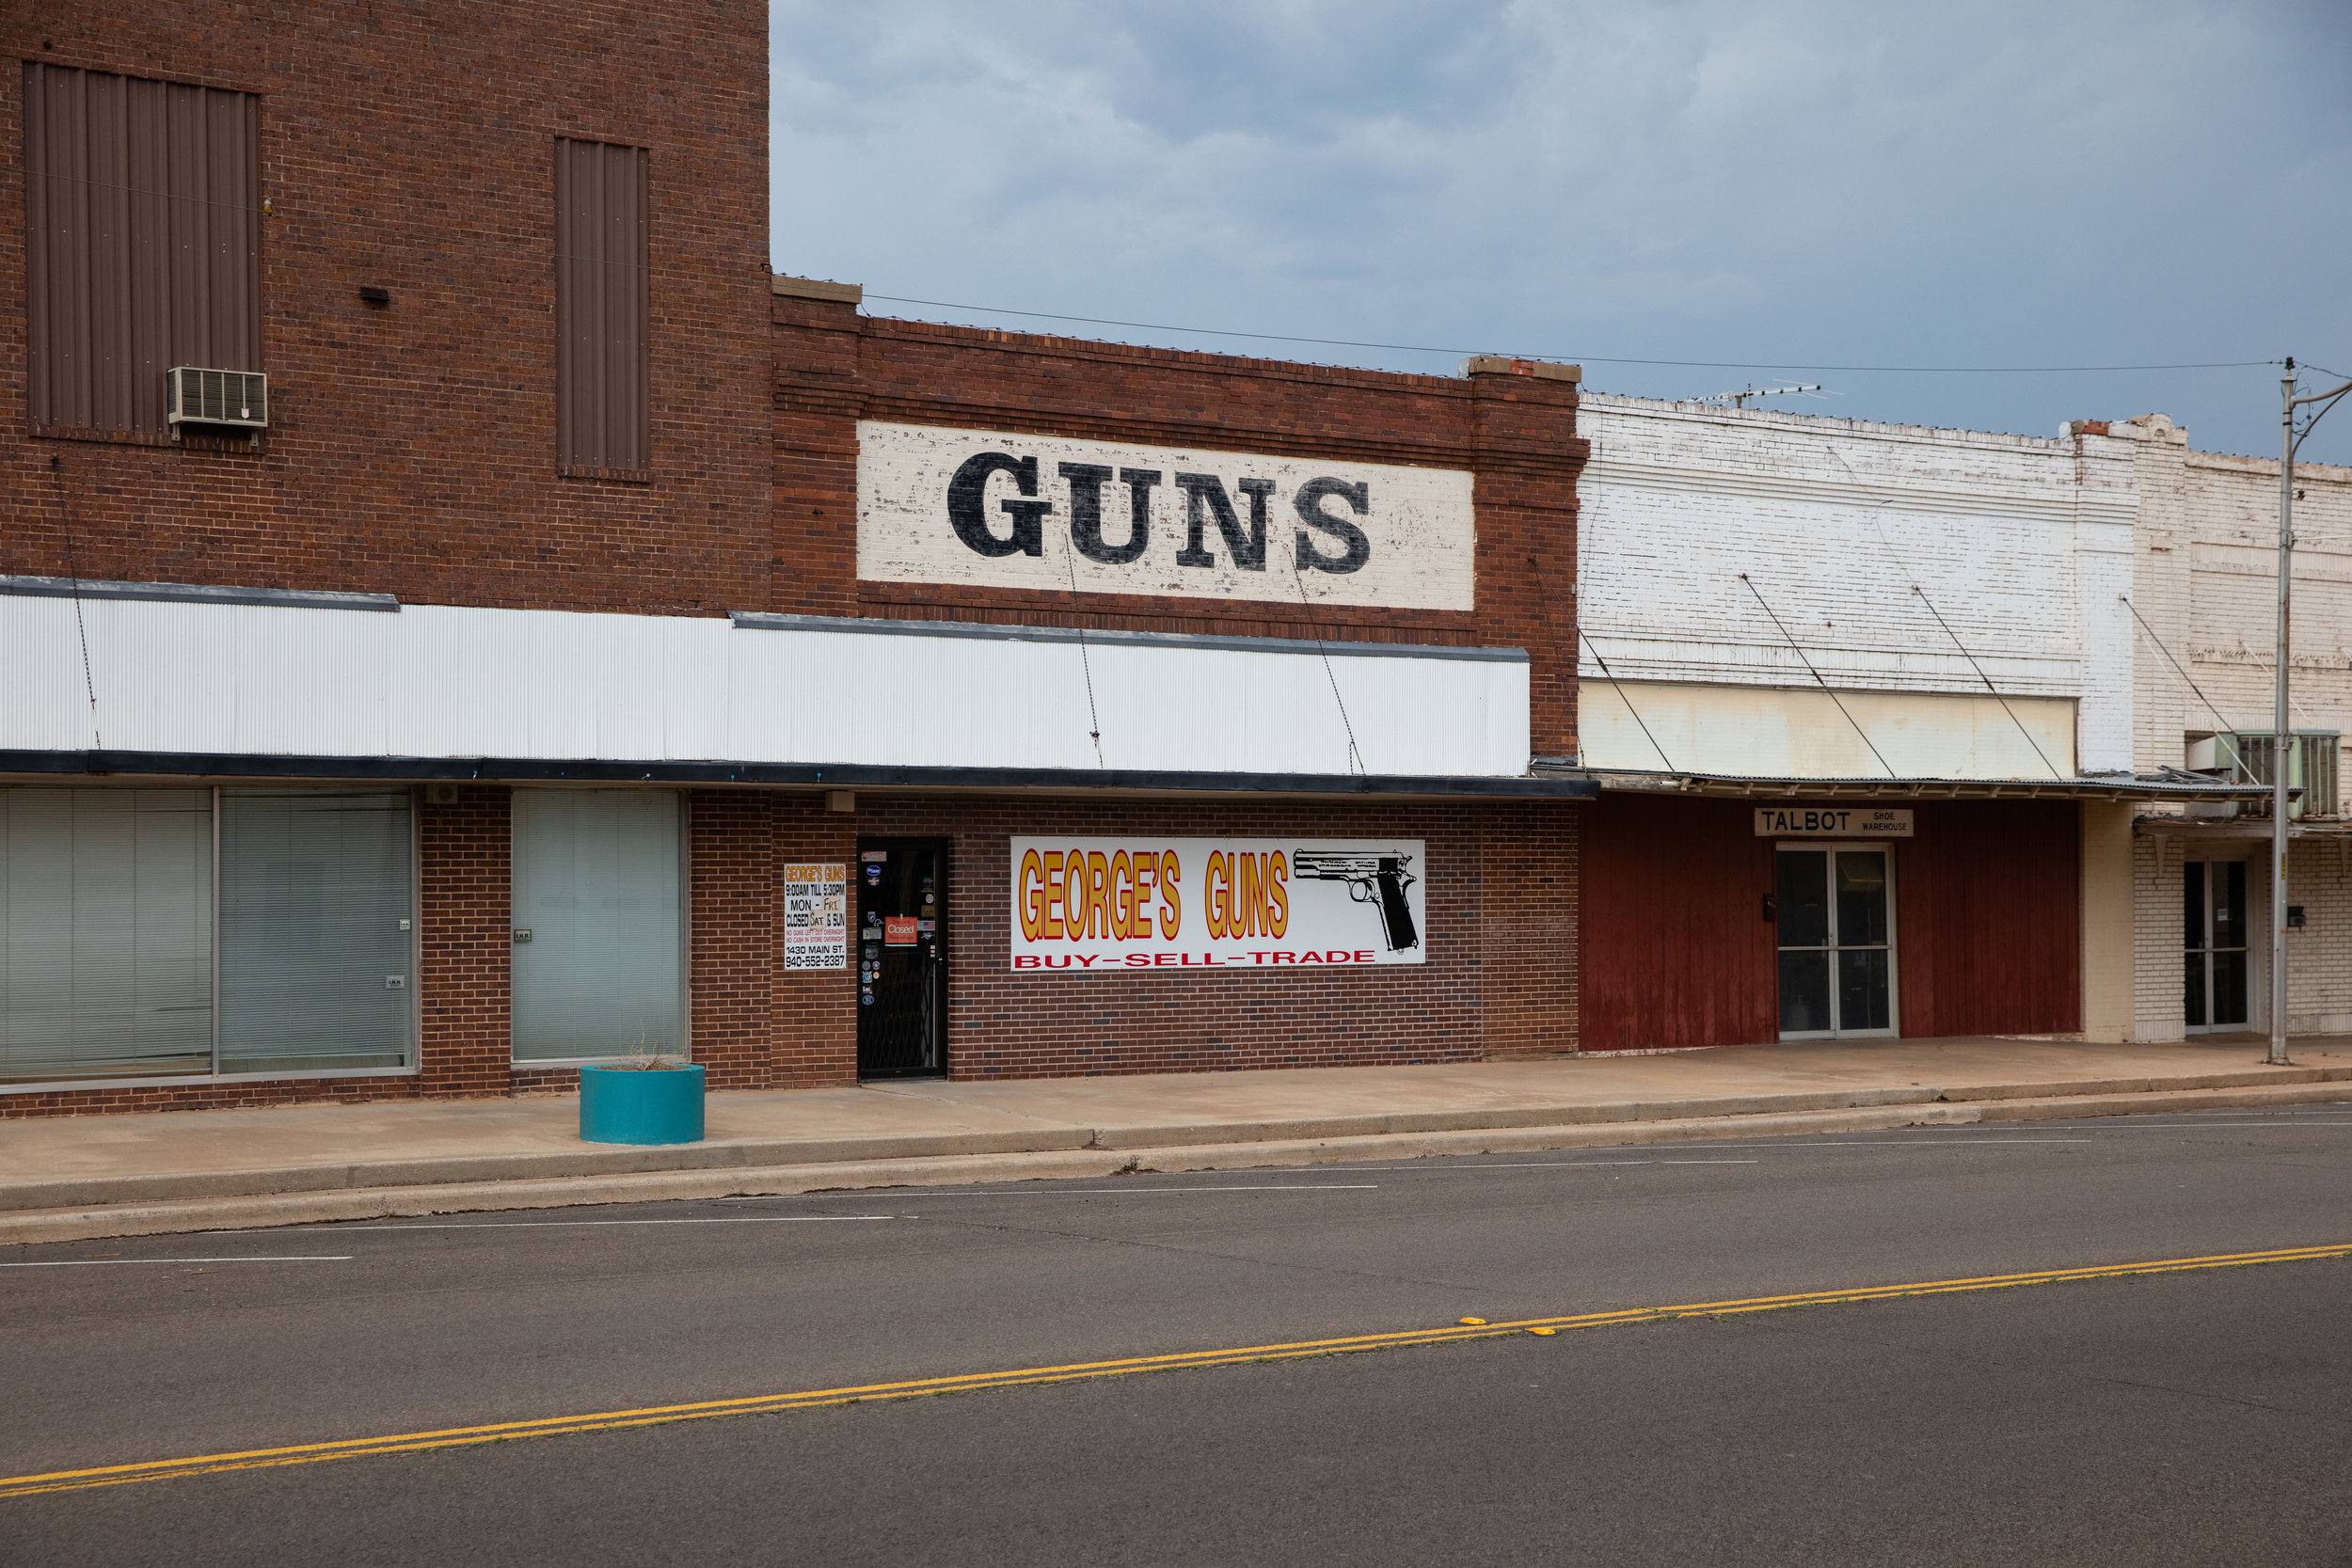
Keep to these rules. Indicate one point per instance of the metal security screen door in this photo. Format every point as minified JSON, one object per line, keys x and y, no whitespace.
{"x":2214,"y":904}
{"x":1836,"y":911}
{"x":902,"y":958}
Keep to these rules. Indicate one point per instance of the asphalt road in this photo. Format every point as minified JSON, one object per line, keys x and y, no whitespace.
{"x":2196,"y":1417}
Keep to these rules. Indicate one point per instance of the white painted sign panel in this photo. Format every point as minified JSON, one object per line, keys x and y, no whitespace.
{"x":991,"y":509}
{"x":816,"y":916}
{"x":1098,"y":905}
{"x":1833,"y":821}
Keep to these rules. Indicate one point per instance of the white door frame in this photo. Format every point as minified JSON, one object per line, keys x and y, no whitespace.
{"x":1894,"y":963}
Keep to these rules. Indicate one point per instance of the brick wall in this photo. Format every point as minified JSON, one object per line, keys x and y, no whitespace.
{"x":2017,"y":540}
{"x":465,"y":909}
{"x":2319,"y":955}
{"x":730,"y":936}
{"x":410,"y":147}
{"x":1530,"y":889}
{"x":1516,"y":434}
{"x":2157,"y":1006}
{"x":1451,"y":1008}
{"x":812,"y":1029}
{"x":1500,"y":978}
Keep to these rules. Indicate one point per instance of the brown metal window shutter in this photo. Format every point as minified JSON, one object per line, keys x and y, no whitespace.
{"x":600,"y":307}
{"x":143,"y":243}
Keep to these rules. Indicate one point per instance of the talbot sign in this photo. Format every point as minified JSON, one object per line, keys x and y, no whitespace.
{"x":989,"y":509}
{"x":1833,"y":821}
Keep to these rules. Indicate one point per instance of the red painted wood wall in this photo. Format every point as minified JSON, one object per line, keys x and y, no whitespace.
{"x":1988,"y":918}
{"x":1674,"y":951}
{"x":1675,"y":948}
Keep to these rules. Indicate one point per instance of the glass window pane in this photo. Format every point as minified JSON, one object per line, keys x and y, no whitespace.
{"x":596,"y":886}
{"x":315,"y":952}
{"x":2193,"y":904}
{"x":1804,"y":990}
{"x":105,"y":933}
{"x":1803,"y":900}
{"x":2194,"y":1000}
{"x":1862,"y":898}
{"x":2229,"y":988}
{"x":2229,"y":903}
{"x":1862,"y":989}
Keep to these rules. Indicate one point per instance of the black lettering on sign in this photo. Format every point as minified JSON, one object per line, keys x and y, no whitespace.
{"x":1310,"y":503}
{"x":967,"y":505}
{"x":1086,"y":511}
{"x":1204,"y":495}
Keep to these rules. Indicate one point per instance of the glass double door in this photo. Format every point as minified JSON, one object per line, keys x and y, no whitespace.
{"x":2213,"y":900}
{"x":1835,"y":909}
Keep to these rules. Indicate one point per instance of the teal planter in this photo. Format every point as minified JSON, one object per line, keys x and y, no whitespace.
{"x":622,"y":1105}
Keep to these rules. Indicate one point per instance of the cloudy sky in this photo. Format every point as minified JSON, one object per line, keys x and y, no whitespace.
{"x":1776,"y":185}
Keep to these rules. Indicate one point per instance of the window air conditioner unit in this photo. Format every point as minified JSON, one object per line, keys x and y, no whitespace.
{"x":2311,"y":757}
{"x":233,"y":400}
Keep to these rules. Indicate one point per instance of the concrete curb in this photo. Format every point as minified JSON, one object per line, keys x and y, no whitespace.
{"x":2149,"y":1103}
{"x":583,"y":1163}
{"x":264,"y":1210}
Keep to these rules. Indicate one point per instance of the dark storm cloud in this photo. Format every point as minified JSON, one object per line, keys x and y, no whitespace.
{"x":1856,"y":184}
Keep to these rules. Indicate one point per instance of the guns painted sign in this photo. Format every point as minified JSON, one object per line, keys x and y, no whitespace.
{"x":1097,"y":905}
{"x":993,"y":509}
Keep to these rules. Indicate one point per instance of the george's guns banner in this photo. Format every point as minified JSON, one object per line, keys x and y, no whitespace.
{"x":1097,"y":905}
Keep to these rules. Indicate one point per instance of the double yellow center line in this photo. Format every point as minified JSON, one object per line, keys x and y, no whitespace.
{"x":608,"y":1421}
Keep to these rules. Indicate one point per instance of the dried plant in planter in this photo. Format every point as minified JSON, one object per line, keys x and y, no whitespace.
{"x":652,"y":1055}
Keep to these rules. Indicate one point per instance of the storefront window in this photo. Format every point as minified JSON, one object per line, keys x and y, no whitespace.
{"x":599,"y":938}
{"x":105,"y":933}
{"x":316,"y":944}
{"x":120,"y":908}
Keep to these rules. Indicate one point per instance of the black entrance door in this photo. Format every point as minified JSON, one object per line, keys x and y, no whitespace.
{"x":902,"y":958}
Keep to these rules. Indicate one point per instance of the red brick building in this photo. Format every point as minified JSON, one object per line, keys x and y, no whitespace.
{"x":466,"y":619}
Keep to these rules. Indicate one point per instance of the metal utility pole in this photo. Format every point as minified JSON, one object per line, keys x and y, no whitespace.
{"x":2281,"y":736}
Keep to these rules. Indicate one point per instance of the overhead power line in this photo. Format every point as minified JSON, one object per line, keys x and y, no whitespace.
{"x":1582,"y":358}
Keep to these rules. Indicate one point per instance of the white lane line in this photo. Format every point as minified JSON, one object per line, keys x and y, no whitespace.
{"x":1991,"y":1140}
{"x":1573,"y":1164}
{"x":102,"y":1262}
{"x":751,"y":1218}
{"x":2195,"y":1126}
{"x":1547,"y":1165}
{"x":1088,"y":1191}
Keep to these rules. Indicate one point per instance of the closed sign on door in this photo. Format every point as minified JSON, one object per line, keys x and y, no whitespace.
{"x":898,"y":930}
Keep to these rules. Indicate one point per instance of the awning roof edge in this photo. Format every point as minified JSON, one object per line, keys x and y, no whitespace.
{"x":801,"y":775}
{"x":2110,"y":787}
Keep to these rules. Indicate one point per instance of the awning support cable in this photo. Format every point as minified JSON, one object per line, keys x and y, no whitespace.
{"x":2227,"y":728}
{"x":1988,"y":682}
{"x":1094,"y":719}
{"x":1545,"y":583}
{"x":1817,"y":677}
{"x":74,"y":571}
{"x":1964,"y":652}
{"x":1355,"y":757}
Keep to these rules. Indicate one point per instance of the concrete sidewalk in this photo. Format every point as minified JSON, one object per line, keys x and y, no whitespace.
{"x":72,"y":1178}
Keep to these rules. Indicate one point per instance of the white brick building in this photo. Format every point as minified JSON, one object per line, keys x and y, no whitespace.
{"x":2204,"y":579}
{"x":1787,"y":607}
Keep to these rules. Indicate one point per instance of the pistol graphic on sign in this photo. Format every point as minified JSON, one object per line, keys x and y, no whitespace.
{"x":1364,"y":873}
